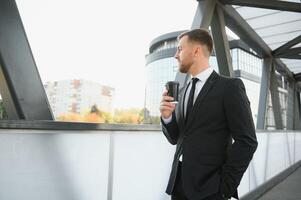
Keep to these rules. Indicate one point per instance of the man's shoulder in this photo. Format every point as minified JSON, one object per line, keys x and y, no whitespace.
{"x":230,"y":80}
{"x":231,"y":84}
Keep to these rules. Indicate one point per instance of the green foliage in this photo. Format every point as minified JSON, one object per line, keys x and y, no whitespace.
{"x":128,"y":116}
{"x":152,"y":120}
{"x":121,"y":116}
{"x":107,"y":117}
{"x":3,"y":113}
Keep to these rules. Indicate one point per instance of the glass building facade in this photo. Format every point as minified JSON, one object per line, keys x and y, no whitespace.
{"x":158,"y":73}
{"x":161,"y":67}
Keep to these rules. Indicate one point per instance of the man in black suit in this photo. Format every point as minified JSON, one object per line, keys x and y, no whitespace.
{"x":212,"y":110}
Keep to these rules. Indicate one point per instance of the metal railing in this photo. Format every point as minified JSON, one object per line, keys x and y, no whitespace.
{"x":78,"y":161}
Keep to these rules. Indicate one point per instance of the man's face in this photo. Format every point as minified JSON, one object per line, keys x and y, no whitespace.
{"x":184,"y":54}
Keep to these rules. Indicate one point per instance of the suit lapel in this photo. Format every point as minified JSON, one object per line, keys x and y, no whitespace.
{"x":206,"y":88}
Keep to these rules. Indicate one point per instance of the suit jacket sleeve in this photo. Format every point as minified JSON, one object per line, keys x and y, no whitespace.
{"x":171,"y":130}
{"x":241,"y":127}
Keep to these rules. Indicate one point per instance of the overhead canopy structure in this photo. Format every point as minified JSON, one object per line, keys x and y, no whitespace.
{"x":272,"y":29}
{"x":275,"y":27}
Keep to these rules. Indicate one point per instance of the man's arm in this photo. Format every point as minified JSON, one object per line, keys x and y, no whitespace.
{"x":171,"y":130}
{"x":242,"y":130}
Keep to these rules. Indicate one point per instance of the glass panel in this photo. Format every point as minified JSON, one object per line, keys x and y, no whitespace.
{"x":277,"y":17}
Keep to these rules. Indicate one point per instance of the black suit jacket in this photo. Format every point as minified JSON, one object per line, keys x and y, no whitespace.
{"x":211,"y":161}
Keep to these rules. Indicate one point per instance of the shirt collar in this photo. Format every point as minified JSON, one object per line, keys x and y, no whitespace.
{"x":204,"y":75}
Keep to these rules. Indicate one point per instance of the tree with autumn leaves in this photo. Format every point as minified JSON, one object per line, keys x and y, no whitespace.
{"x":3,"y":113}
{"x":95,"y":115}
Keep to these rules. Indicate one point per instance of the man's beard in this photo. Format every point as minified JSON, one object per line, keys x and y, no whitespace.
{"x":184,"y":68}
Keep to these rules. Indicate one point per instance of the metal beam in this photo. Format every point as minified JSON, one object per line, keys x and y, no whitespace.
{"x":243,"y":46}
{"x":298,"y":87}
{"x":221,"y":43}
{"x":263,"y":97}
{"x":22,"y":89}
{"x":275,"y":97}
{"x":7,"y":98}
{"x":287,"y":45}
{"x":238,"y":25}
{"x":293,"y":51}
{"x":203,"y":14}
{"x":297,"y":77}
{"x":290,"y":56}
{"x":202,"y":19}
{"x":297,"y":113}
{"x":290,"y":113}
{"x":268,"y":4}
{"x":282,"y":69}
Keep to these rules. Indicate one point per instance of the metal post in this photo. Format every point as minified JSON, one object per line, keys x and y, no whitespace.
{"x":203,"y":14}
{"x":202,"y":19}
{"x":263,"y":97}
{"x":290,"y":105}
{"x":276,"y":106}
{"x":21,"y":87}
{"x":221,"y":43}
{"x":297,"y":110}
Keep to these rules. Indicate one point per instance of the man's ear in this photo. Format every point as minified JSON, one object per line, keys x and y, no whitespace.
{"x":198,"y":50}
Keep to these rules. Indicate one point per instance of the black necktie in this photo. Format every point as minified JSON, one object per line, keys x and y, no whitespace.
{"x":190,"y":99}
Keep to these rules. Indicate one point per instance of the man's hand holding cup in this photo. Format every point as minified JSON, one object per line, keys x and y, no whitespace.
{"x":169,"y":99}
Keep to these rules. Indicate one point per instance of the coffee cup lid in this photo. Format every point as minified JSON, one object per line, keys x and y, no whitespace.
{"x":174,"y":82}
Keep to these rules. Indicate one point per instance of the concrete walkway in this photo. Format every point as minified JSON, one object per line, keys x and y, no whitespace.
{"x":288,"y":189}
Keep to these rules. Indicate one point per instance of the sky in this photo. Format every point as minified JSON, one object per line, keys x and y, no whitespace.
{"x":102,"y":41}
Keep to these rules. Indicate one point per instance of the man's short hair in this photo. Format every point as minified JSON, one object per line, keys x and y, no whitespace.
{"x":201,"y":36}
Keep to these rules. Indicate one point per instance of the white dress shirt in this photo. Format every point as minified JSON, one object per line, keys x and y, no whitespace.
{"x":203,"y":76}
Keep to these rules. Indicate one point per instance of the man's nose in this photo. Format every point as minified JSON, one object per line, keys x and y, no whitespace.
{"x":176,"y":56}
